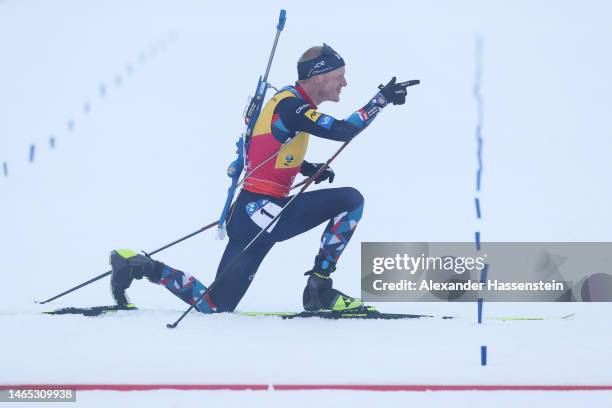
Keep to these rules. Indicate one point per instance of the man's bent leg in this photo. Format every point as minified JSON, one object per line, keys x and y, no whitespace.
{"x":343,"y":208}
{"x":338,"y":232}
{"x":318,"y":293}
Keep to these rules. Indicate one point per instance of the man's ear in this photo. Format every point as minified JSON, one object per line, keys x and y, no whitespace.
{"x":315,"y":80}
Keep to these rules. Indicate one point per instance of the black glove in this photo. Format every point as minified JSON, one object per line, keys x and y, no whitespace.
{"x":395,"y":93}
{"x":309,"y":170}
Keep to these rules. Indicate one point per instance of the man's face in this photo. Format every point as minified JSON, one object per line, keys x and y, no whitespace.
{"x":330,"y":85}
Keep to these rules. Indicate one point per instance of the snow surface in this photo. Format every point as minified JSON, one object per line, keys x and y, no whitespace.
{"x":144,"y":165}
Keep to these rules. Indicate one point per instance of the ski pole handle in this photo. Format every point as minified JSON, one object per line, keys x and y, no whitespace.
{"x":281,"y":20}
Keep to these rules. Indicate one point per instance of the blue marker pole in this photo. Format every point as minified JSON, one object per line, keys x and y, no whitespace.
{"x":479,"y":170}
{"x":483,"y":355}
{"x":483,"y":280}
{"x":484,"y":273}
{"x":32,"y":150}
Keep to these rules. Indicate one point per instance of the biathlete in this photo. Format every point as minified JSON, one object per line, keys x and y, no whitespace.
{"x":275,"y":156}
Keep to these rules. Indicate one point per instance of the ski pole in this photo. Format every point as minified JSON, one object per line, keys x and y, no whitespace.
{"x":109,"y":272}
{"x":307,"y":183}
{"x":279,"y":27}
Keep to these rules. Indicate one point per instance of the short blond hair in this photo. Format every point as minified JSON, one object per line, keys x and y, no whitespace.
{"x":312,"y":52}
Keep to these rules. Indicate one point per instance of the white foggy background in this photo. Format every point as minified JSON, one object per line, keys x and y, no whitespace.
{"x":146,"y":165}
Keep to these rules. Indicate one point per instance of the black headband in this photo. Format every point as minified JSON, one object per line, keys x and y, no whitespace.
{"x":328,"y":61}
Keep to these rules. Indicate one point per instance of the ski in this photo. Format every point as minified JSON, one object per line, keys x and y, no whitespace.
{"x":369,"y":313}
{"x":361,"y":313}
{"x":91,"y":311}
{"x":372,"y":313}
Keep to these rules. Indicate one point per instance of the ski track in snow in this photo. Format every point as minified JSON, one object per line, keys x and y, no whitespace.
{"x":78,"y":349}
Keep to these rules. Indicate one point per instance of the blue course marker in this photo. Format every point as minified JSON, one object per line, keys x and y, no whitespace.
{"x":5,"y":168}
{"x":52,"y":142}
{"x":102,"y":90}
{"x":70,"y":125}
{"x":32,"y":150}
{"x":483,"y":355}
{"x":484,"y":273}
{"x":479,"y":143}
{"x":480,"y":109}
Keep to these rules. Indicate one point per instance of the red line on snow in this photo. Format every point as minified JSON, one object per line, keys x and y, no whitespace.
{"x":296,"y":387}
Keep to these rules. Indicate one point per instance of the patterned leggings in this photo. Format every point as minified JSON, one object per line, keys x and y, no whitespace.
{"x":341,"y":207}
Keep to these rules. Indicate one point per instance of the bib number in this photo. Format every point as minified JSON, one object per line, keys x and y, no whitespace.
{"x":262,"y":212}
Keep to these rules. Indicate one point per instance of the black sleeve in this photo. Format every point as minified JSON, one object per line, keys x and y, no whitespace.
{"x":298,"y":115}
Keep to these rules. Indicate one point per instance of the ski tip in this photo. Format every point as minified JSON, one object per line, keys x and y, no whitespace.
{"x":91,"y":311}
{"x":171,"y":325}
{"x":568,"y":316}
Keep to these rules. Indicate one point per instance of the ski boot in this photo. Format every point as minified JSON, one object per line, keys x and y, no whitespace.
{"x":319,"y":294}
{"x":128,"y":265}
